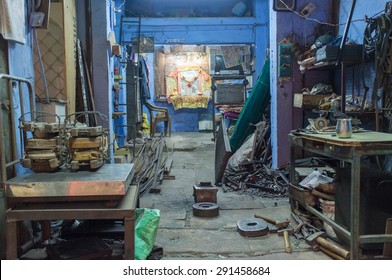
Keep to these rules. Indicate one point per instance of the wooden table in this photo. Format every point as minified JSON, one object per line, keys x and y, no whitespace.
{"x":351,"y":150}
{"x":88,"y":210}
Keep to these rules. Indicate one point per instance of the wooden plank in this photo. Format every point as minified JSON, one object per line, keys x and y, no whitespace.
{"x":69,"y":18}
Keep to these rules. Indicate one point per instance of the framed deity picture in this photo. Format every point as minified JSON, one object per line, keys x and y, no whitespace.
{"x":284,"y":5}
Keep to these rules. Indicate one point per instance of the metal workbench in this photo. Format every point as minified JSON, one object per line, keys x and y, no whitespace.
{"x":109,"y":182}
{"x":351,"y":150}
{"x":67,"y":195}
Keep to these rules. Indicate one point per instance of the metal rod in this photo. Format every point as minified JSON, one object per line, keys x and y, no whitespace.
{"x":346,"y":28}
{"x":330,"y":222}
{"x":375,"y":238}
{"x":2,"y":153}
{"x":12,"y":163}
{"x":4,"y":165}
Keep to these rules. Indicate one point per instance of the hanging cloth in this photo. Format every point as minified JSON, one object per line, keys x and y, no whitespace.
{"x":144,"y":79}
{"x":12,"y":20}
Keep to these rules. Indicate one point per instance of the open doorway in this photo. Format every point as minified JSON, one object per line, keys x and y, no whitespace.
{"x":180,"y":79}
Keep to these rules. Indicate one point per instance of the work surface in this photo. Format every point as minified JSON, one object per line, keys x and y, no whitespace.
{"x":360,"y":138}
{"x":109,"y":182}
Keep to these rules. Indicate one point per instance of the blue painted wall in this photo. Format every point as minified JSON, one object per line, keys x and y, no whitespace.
{"x":204,"y":31}
{"x":20,"y":63}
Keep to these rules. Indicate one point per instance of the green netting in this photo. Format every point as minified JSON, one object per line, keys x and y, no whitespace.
{"x":254,"y":108}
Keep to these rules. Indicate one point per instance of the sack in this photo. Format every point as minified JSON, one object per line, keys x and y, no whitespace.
{"x":146,"y":227}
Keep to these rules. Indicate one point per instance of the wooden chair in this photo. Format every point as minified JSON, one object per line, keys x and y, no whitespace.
{"x":158,"y":114}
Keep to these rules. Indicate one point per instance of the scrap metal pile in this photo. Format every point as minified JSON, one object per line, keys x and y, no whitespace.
{"x":249,"y":168}
{"x":152,"y":163}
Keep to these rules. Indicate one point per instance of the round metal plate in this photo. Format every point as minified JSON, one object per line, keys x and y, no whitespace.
{"x":205,"y":209}
{"x":252,"y":227}
{"x":321,"y":123}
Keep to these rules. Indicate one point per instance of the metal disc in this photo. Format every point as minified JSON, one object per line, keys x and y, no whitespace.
{"x":252,"y":227}
{"x":205,"y":209}
{"x":321,"y":123}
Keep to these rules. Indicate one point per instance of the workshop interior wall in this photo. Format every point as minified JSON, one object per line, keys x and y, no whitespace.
{"x":287,"y":24}
{"x":203,"y":31}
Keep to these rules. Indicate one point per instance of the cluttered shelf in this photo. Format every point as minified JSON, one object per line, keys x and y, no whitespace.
{"x":332,"y":65}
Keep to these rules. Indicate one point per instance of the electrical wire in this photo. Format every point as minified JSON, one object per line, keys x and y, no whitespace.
{"x":319,"y":21}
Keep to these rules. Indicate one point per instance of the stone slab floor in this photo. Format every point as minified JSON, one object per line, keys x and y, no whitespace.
{"x":184,"y":236}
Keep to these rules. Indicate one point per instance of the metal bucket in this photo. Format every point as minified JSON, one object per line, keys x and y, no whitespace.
{"x":344,"y":128}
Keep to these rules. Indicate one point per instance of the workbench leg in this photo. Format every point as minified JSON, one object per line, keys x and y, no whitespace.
{"x":129,"y":238}
{"x":292,"y":165}
{"x":11,"y":240}
{"x":46,"y":230}
{"x":355,"y":201}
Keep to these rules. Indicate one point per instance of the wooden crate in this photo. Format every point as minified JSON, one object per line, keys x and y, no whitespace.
{"x":308,"y":101}
{"x":302,"y":196}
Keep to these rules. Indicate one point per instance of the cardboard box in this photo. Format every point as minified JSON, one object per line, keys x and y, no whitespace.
{"x":308,"y":101}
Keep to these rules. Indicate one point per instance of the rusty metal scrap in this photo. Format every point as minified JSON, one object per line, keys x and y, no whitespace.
{"x":256,"y":176}
{"x":151,"y":164}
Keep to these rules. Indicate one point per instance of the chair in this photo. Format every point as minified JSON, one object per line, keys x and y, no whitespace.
{"x":158,"y":114}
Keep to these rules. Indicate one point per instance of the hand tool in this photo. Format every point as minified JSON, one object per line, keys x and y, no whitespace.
{"x":277,"y":223}
{"x":319,"y":238}
{"x":287,"y":244}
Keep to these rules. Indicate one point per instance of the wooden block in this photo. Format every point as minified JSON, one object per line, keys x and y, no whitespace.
{"x":308,"y":101}
{"x":42,"y":144}
{"x":85,"y":143}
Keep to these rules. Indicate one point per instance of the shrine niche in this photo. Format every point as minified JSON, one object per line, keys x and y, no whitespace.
{"x":182,"y":76}
{"x":188,"y":87}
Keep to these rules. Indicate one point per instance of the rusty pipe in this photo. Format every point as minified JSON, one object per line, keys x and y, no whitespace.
{"x":10,"y":78}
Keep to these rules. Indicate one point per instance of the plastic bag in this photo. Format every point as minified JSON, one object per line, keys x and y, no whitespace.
{"x":146,"y":227}
{"x":242,"y":155}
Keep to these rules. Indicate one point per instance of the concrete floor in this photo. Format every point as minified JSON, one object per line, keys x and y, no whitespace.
{"x":184,"y":236}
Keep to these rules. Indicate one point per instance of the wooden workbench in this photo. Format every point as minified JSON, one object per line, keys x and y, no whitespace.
{"x":351,"y":150}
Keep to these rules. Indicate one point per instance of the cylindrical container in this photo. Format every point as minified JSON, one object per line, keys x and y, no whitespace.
{"x":344,"y":128}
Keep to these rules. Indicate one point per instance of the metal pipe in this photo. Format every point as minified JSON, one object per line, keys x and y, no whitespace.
{"x":4,"y":164}
{"x":12,"y":163}
{"x":2,"y":154}
{"x":28,"y":83}
{"x":346,"y":28}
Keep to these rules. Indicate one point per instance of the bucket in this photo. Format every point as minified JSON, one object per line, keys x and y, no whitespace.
{"x":328,"y":209}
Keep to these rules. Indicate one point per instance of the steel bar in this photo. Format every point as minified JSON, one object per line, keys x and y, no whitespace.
{"x":13,"y":130}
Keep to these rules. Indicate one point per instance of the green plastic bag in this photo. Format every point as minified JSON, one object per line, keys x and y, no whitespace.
{"x":146,"y":227}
